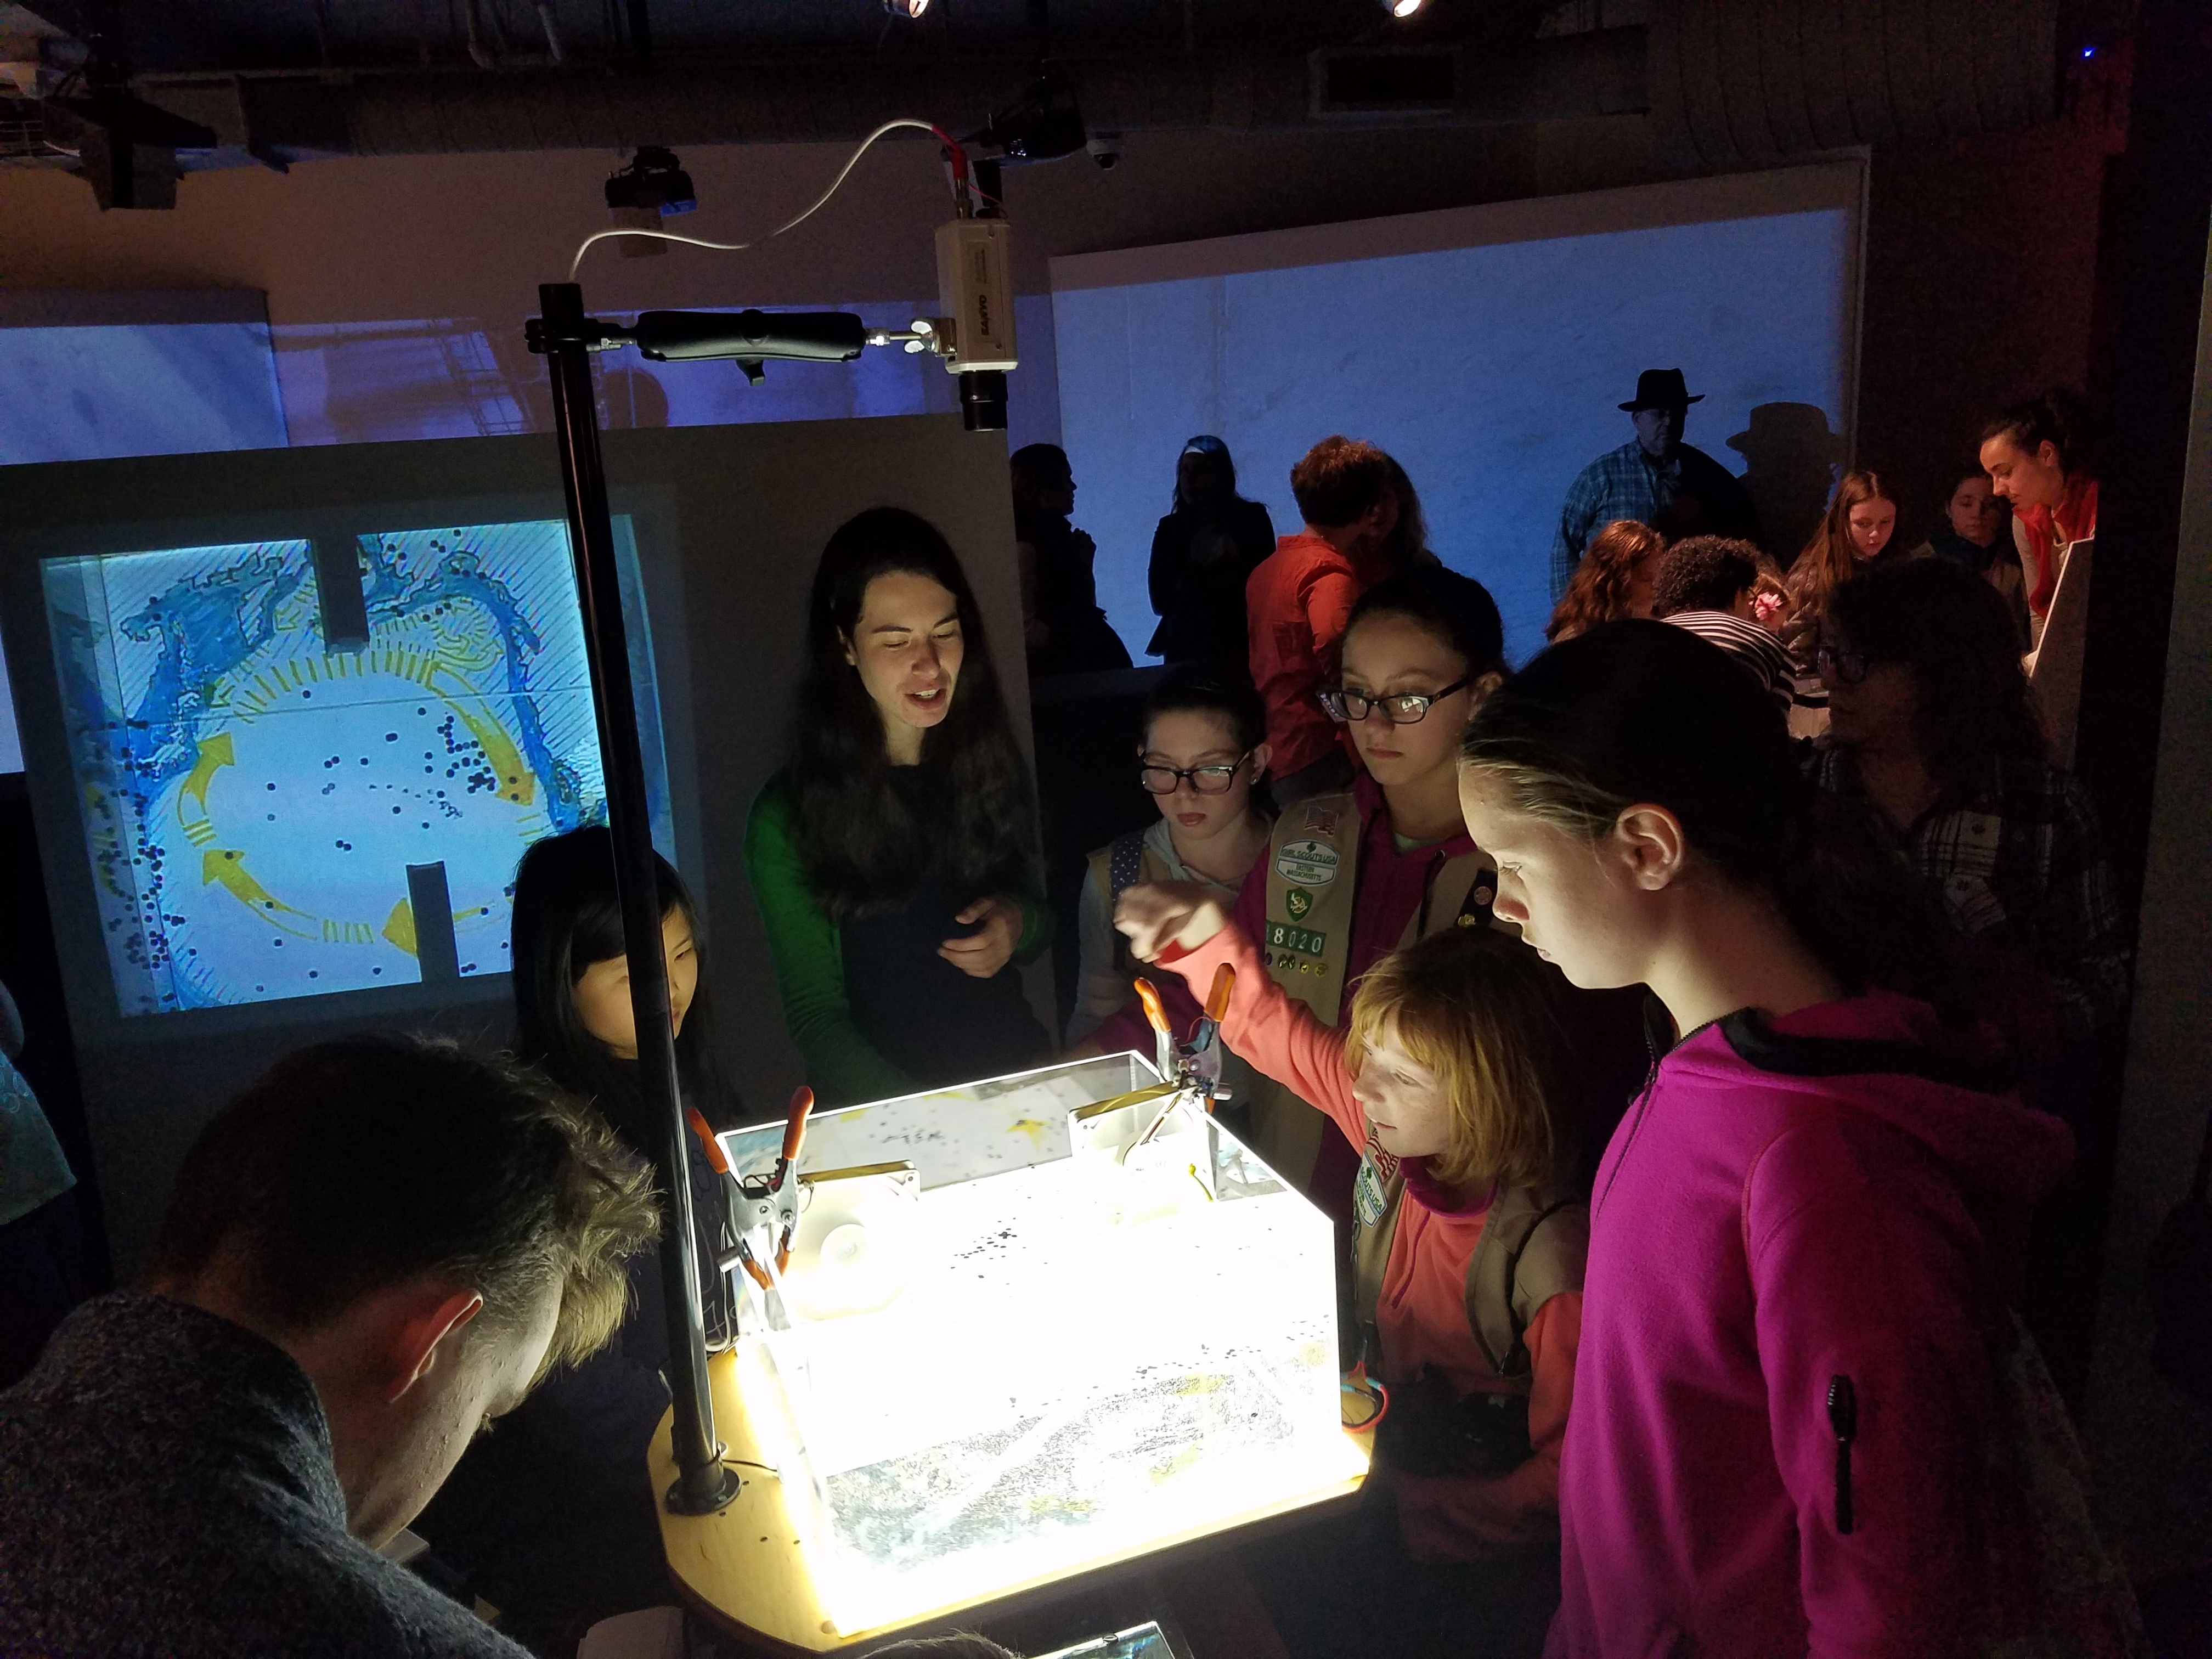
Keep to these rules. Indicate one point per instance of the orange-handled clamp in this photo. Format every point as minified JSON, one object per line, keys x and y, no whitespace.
{"x":795,"y":1137}
{"x":1156,"y":1015}
{"x":715,"y":1161}
{"x":794,"y":1127}
{"x":1217,"y":999}
{"x":1156,"y":1012}
{"x":771,"y":1201}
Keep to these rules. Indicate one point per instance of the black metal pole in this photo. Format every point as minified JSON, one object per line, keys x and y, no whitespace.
{"x":703,"y":1483}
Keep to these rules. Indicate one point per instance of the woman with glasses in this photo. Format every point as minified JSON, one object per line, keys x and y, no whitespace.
{"x":1931,"y":722}
{"x":1201,"y":754}
{"x":1350,"y":875}
{"x":894,"y":858}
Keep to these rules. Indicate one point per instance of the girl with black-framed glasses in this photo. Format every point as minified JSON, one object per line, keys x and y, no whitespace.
{"x":1202,"y":755}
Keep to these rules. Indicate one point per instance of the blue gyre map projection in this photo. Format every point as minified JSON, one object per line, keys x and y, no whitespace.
{"x":259,"y":764}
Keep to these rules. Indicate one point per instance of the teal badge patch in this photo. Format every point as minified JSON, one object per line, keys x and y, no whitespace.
{"x":1368,"y":1202}
{"x":1297,"y":901}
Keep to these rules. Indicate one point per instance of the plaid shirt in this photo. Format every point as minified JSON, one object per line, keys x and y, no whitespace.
{"x":2020,"y":863}
{"x":1627,"y":483}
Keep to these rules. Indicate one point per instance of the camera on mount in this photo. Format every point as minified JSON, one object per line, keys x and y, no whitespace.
{"x":1105,"y":148}
{"x":654,"y":182}
{"x":1042,"y":125}
{"x":639,"y":195}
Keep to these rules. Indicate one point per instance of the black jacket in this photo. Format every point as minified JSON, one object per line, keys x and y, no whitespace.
{"x":1079,"y":639}
{"x":1201,"y":605}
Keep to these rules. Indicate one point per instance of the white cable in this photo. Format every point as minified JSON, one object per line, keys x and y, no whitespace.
{"x":853,"y":160}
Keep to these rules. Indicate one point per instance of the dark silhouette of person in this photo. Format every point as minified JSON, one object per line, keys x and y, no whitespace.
{"x":1654,"y":478}
{"x":1203,"y":553}
{"x":1066,"y":630}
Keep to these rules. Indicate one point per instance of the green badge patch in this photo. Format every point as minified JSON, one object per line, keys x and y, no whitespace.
{"x":1299,"y":901}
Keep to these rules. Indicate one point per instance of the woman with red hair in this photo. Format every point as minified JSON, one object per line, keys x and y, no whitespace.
{"x":1613,"y":580}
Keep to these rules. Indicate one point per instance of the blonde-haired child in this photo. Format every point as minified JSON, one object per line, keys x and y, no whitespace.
{"x":1456,"y":1081}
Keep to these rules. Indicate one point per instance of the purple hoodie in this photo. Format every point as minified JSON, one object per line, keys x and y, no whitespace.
{"x":1830,"y":1196}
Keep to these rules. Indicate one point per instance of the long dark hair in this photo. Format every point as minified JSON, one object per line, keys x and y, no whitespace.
{"x":1406,"y":546}
{"x":860,"y":847}
{"x":566,"y":918}
{"x":1952,"y":629}
{"x":1640,"y":711}
{"x":1828,"y":559}
{"x":1202,"y":688}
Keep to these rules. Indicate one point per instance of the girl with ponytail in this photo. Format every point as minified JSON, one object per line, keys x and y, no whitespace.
{"x":1794,"y":1352}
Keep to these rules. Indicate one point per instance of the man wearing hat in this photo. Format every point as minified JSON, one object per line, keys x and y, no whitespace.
{"x":1657,"y":480}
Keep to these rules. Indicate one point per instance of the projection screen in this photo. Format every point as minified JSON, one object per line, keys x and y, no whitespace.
{"x":1487,"y":348}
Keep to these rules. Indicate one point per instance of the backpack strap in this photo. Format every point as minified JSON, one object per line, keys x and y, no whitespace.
{"x":1533,"y":1247}
{"x":1125,"y":864}
{"x":1377,"y":1199}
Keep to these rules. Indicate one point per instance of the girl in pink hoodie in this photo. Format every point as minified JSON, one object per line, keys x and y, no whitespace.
{"x":1785,"y":1401}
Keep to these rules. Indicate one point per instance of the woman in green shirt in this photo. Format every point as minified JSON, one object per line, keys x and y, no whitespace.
{"x":893,"y":856}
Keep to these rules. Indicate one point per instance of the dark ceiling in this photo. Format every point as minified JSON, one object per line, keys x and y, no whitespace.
{"x":173,"y":37}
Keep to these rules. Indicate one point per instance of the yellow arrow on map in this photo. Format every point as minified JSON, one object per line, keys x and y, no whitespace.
{"x":516,"y":782}
{"x":215,"y":751}
{"x":227,"y":866}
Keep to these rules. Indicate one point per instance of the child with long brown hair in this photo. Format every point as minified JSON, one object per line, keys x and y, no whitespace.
{"x":1612,"y":581}
{"x":1854,"y":534}
{"x":1456,"y":1081}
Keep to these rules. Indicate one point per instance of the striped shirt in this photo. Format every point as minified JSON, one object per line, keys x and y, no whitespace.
{"x":1764,"y":658}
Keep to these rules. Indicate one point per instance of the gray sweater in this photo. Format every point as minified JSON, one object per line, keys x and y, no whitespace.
{"x":166,"y":1489}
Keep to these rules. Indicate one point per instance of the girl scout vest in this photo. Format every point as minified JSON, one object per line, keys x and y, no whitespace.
{"x":1313,"y":884}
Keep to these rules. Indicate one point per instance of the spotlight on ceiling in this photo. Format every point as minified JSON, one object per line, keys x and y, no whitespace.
{"x":910,"y":9}
{"x":1404,"y":8}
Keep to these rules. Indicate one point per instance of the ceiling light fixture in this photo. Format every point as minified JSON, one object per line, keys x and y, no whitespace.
{"x":1404,"y":8}
{"x":910,"y":9}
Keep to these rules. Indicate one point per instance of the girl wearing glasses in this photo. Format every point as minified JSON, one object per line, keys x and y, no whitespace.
{"x":1349,"y":875}
{"x":1202,"y":756}
{"x":894,"y":858}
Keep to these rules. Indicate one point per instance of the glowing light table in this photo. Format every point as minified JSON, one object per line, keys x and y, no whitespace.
{"x":1085,"y":1364}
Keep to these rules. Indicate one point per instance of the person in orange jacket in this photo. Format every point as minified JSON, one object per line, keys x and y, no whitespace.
{"x":1455,"y":1079}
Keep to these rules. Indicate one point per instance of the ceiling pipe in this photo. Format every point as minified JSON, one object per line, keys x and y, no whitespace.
{"x":1738,"y":81}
